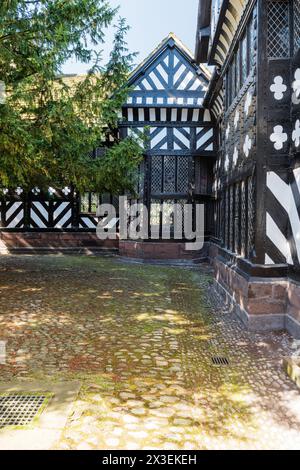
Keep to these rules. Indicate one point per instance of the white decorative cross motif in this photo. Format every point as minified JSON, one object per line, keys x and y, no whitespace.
{"x":278,"y":88}
{"x":36,"y":191}
{"x":247,"y":145}
{"x":236,"y":118}
{"x":19,"y":191}
{"x":278,"y":137}
{"x":5,"y":191}
{"x":296,"y":134}
{"x":51,"y":191}
{"x":248,"y":103}
{"x":66,"y":191}
{"x":235,"y":156}
{"x":227,"y":131}
{"x":296,"y":88}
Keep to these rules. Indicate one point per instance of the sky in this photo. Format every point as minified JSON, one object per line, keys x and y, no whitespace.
{"x":150,"y":21}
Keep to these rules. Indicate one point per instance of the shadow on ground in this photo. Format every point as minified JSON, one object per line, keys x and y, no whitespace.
{"x":141,"y":339}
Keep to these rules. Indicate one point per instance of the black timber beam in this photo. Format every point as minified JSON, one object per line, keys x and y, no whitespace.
{"x":203,"y":31}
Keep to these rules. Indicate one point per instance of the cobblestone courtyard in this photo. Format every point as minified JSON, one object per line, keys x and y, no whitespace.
{"x":141,"y":340}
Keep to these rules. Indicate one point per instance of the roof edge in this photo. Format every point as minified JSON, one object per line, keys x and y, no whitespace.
{"x":203,"y":31}
{"x":164,"y":43}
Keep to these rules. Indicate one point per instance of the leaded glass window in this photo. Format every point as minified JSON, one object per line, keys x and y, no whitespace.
{"x":278,"y":44}
{"x":220,"y":217}
{"x":296,"y":25}
{"x":241,"y":64}
{"x":162,"y":218}
{"x":156,"y":174}
{"x":251,"y":38}
{"x":231,"y":218}
{"x":167,"y":217}
{"x":251,"y":206}
{"x":237,"y":70}
{"x":237,"y":219}
{"x":233,"y":80}
{"x":169,"y":183}
{"x":229,"y":88}
{"x":182,"y":174}
{"x":170,"y":174}
{"x":244,"y":61}
{"x":243,"y":219}
{"x":226,"y":238}
{"x":155,"y":218}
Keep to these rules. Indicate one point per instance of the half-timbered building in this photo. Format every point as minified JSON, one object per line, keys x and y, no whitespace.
{"x":254,"y":98}
{"x":165,"y":104}
{"x":227,"y":137}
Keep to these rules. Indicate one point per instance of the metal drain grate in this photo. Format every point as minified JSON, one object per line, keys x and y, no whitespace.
{"x":17,"y":409}
{"x":220,"y":361}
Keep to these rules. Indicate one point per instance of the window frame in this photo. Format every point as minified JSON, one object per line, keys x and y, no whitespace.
{"x":242,"y":57}
{"x":90,"y":202}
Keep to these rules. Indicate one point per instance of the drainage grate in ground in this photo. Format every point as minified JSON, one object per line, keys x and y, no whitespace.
{"x":220,"y":361}
{"x":17,"y":409}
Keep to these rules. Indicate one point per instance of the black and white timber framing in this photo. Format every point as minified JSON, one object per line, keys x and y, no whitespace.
{"x":231,"y":140}
{"x":254,"y":97}
{"x":166,"y":103}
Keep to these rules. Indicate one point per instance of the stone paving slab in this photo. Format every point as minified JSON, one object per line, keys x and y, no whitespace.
{"x":140,"y":339}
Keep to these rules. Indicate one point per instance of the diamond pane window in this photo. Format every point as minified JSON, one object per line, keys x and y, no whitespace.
{"x":155,"y":218}
{"x":251,"y":32}
{"x":251,"y":205}
{"x":170,"y":174}
{"x":222,"y":221}
{"x":156,"y":174}
{"x":237,"y":70}
{"x":244,"y":57}
{"x":243,"y":219}
{"x":226,"y":219}
{"x":182,"y":174}
{"x":168,"y":217}
{"x":181,"y":203}
{"x":231,"y":218}
{"x":229,"y":85}
{"x":278,"y":44}
{"x":237,"y":219}
{"x":296,"y":25}
{"x":233,"y":79}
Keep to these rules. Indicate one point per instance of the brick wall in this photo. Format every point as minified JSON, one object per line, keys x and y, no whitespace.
{"x":160,"y":251}
{"x":261,"y":303}
{"x":55,"y":241}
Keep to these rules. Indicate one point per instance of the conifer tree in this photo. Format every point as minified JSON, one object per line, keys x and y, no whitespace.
{"x":49,"y":123}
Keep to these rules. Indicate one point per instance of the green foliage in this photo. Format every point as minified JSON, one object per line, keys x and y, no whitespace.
{"x":119,"y":164}
{"x":50,"y":123}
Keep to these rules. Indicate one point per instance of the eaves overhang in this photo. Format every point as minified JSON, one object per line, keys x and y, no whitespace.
{"x":203,"y":31}
{"x":227,"y":23}
{"x":215,"y":39}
